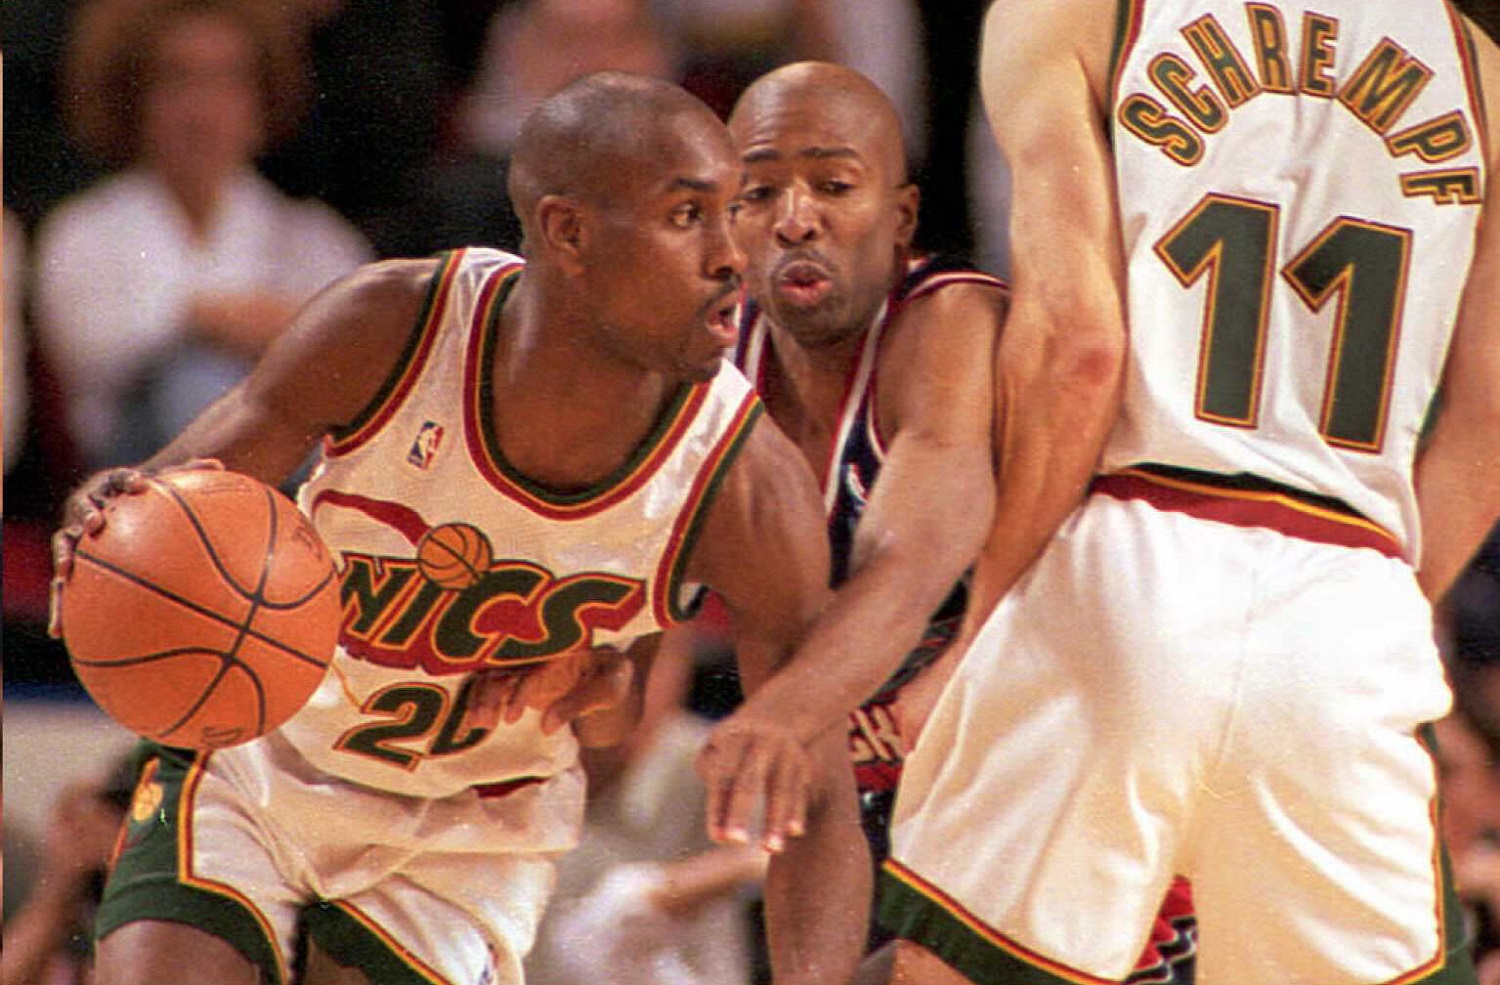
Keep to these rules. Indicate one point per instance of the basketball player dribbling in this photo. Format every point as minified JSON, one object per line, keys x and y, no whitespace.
{"x":574,"y":411}
{"x":1251,"y":242}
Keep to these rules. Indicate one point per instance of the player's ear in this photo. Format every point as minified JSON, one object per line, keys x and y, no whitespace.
{"x":560,"y":227}
{"x":908,"y":203}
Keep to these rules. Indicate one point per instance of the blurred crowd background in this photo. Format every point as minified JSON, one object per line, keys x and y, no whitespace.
{"x":180,"y":175}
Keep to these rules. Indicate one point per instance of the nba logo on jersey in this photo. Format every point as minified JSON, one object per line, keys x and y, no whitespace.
{"x":424,"y":447}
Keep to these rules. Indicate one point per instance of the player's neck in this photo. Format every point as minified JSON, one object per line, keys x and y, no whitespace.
{"x":804,"y":389}
{"x":563,"y":415}
{"x":814,"y":378}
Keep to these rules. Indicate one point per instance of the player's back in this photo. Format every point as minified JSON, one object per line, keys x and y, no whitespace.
{"x":1299,"y":193}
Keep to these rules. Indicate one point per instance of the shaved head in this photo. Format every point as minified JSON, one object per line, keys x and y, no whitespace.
{"x":847,"y":103}
{"x":589,"y":139}
{"x":827,"y":212}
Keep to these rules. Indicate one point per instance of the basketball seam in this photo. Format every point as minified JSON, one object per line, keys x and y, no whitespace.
{"x":196,"y":608}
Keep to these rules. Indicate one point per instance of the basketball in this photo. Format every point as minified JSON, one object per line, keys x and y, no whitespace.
{"x":205,"y":611}
{"x":454,"y":555}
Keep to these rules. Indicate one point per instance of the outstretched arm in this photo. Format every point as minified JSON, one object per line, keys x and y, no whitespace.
{"x":1059,"y":365}
{"x":763,"y":548}
{"x":80,"y":833}
{"x":1458,"y":470}
{"x":926,"y":519}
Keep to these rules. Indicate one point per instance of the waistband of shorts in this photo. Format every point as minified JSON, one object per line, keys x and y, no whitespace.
{"x":1247,"y":500}
{"x":487,"y":791}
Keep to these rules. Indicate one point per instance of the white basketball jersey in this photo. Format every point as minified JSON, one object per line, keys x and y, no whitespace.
{"x":1299,"y":194}
{"x":452,"y":562}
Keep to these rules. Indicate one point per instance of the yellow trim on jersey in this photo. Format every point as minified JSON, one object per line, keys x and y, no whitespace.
{"x":1468,"y":58}
{"x":1127,"y":30}
{"x":668,"y":582}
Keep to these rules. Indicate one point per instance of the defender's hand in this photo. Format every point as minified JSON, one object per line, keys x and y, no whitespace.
{"x":747,"y":762}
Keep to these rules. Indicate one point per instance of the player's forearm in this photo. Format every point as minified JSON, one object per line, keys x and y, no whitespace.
{"x":924,"y":526}
{"x":1059,"y":393}
{"x":818,"y":890}
{"x":860,"y":640}
{"x":1458,"y":491}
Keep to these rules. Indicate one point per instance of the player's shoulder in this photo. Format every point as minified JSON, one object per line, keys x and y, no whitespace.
{"x":768,"y":467}
{"x":482,"y":260}
{"x":374,"y":306}
{"x":946,"y":298}
{"x":929,"y":273}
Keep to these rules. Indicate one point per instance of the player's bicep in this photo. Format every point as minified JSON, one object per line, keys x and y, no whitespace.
{"x":935,"y":371}
{"x":1042,"y":78}
{"x":1473,"y":366}
{"x":764,"y":549}
{"x":936,"y":408}
{"x":1471,"y":379}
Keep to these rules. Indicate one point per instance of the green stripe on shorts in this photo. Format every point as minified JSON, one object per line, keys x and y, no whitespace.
{"x":349,"y":942}
{"x":146,"y":882}
{"x":911,"y":915}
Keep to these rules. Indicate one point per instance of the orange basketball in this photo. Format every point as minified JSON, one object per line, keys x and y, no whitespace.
{"x":454,"y":555}
{"x":205,"y":611}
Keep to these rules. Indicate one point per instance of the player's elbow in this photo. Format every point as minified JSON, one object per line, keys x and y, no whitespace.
{"x":1077,"y":354}
{"x":1089,"y":361}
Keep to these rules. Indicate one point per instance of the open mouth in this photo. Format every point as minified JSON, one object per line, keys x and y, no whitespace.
{"x":802,"y":283}
{"x":721,"y":321}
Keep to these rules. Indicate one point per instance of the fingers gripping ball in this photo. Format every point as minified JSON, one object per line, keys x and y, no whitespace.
{"x":455,"y":555}
{"x":205,"y":611}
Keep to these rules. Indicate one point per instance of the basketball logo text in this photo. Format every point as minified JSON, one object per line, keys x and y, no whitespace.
{"x":1194,"y":97}
{"x":513,"y":611}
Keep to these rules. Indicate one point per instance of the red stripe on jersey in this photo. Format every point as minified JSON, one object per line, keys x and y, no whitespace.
{"x":398,"y":516}
{"x":1278,"y":511}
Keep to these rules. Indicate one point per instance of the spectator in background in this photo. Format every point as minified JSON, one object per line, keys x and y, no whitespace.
{"x":646,"y":898}
{"x":14,"y":380}
{"x":727,"y":44}
{"x":713,"y":48}
{"x":158,"y":286}
{"x":532,"y":48}
{"x":48,"y":940}
{"x":1469,"y":781}
{"x":375,"y":116}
